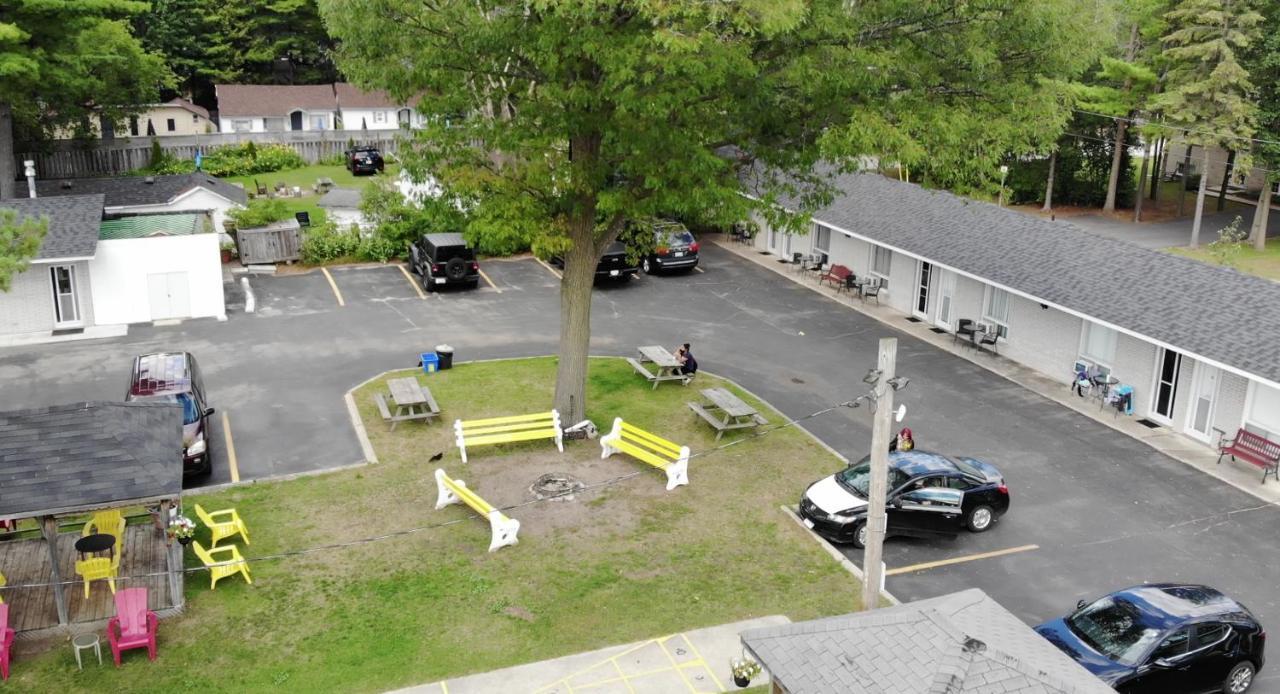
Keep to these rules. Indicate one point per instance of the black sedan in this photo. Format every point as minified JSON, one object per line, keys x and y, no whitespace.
{"x":929,"y":495}
{"x":615,"y":263}
{"x":1163,"y":637}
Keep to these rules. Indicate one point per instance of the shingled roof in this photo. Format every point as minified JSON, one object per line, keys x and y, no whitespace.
{"x":89,"y":455}
{"x":129,"y":191}
{"x":959,"y":643}
{"x":272,"y":100}
{"x":1212,"y":312}
{"x":351,"y":96}
{"x":73,"y":223}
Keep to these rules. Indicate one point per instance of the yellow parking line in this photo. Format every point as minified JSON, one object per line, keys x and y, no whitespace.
{"x":486,"y":279}
{"x":698,"y":269}
{"x":958,"y":560}
{"x":413,"y":284}
{"x":549,"y":268}
{"x":676,"y":665}
{"x":334,"y":285}
{"x":694,"y":649}
{"x":231,"y":448}
{"x":625,"y":680}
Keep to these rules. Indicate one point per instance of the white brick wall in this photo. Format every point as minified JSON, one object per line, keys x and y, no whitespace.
{"x":1135,"y":364}
{"x":28,"y":305}
{"x":1042,"y":338}
{"x":1229,"y":412}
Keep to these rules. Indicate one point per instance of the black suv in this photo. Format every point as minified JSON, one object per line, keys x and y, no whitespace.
{"x":175,"y":377}
{"x":673,"y":248}
{"x":364,"y":160}
{"x":444,"y":259}
{"x":614,"y":263}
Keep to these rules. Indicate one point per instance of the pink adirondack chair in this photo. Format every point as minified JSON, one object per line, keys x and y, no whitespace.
{"x":134,"y":626}
{"x":6,"y":641}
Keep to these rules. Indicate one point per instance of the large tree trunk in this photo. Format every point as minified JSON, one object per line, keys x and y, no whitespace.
{"x":1182,"y":189}
{"x":1048,"y":188}
{"x":575,"y":319}
{"x":1226,"y":178}
{"x":1200,"y":195}
{"x":1162,"y":156}
{"x":1262,"y":216}
{"x":1142,"y":176}
{"x":7,"y":172}
{"x":1122,"y":125}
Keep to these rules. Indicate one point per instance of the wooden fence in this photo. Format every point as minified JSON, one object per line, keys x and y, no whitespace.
{"x":69,"y":159}
{"x":273,"y":244}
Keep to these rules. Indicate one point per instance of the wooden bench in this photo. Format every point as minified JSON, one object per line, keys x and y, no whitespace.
{"x":1251,"y":448}
{"x":451,"y":491}
{"x":525,"y":427}
{"x":665,"y":455}
{"x":836,"y":274}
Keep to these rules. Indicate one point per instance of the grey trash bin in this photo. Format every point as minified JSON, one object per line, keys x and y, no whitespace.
{"x":445,"y":354}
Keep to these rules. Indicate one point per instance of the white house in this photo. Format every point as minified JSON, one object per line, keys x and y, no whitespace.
{"x":92,"y":277}
{"x":196,"y":192}
{"x":342,"y":207}
{"x":1199,"y":344}
{"x":259,"y":108}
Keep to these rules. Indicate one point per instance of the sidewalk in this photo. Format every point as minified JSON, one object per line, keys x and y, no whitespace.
{"x":695,"y":661}
{"x":1242,"y":476}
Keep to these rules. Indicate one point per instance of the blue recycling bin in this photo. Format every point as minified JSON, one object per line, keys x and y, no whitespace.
{"x":429,"y":362}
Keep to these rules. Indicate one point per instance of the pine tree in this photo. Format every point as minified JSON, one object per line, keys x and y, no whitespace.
{"x":1208,"y":91}
{"x":1264,"y":59}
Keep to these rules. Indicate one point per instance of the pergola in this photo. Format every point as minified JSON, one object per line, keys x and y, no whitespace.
{"x":83,"y":457}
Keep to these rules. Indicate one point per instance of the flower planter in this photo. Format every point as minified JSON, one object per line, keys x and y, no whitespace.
{"x":184,"y":541}
{"x":226,"y":256}
{"x":742,"y":681}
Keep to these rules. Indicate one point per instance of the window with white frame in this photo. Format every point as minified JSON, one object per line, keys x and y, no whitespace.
{"x":379,"y":116}
{"x":1262,"y":416}
{"x":821,"y":238}
{"x":241,"y":126}
{"x":995,"y":310}
{"x":1098,"y":344}
{"x":881,"y":260}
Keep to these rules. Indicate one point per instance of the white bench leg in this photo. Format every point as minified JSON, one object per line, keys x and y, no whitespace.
{"x":677,"y":473}
{"x":445,"y":495}
{"x":458,"y":438}
{"x":505,"y":530}
{"x":614,"y":434}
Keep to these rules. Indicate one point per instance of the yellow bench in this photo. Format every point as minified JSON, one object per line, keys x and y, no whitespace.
{"x":665,"y":455}
{"x":451,"y":491}
{"x":524,"y":427}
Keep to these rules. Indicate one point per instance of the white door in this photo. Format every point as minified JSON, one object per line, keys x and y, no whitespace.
{"x":1204,"y":393}
{"x":946,"y":299}
{"x":1168,"y":367}
{"x":66,"y":304}
{"x":924,"y":277}
{"x":170,"y":297}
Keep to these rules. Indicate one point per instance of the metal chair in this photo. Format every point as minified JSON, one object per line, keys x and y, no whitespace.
{"x":965,"y":329}
{"x":990,"y":337}
{"x":872,"y":290}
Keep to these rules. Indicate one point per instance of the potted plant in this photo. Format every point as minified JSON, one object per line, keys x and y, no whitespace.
{"x":228,"y":252}
{"x":744,"y":669}
{"x":183,"y":529}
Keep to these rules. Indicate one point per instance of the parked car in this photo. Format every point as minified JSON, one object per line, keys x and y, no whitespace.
{"x":1163,"y":637}
{"x":614,"y":264}
{"x":444,"y":259}
{"x":364,"y":160}
{"x":673,"y":248}
{"x":175,"y":377}
{"x":929,"y":494}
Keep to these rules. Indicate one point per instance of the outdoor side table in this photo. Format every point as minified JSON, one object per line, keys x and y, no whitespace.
{"x":84,"y":641}
{"x":95,"y":544}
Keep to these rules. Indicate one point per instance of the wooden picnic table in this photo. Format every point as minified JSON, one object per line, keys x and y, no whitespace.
{"x":726,"y":411}
{"x":412,"y":400}
{"x":665,"y":362}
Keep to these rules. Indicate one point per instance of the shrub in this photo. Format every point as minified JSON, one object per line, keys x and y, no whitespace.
{"x":259,"y":213}
{"x":377,"y":249}
{"x":325,"y":243}
{"x":233,"y":160}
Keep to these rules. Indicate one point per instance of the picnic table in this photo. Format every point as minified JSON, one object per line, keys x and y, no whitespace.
{"x":412,"y":400}
{"x":726,"y":411}
{"x":664,"y":361}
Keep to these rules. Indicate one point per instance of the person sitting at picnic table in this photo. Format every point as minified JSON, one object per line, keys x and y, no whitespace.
{"x":688,"y":365}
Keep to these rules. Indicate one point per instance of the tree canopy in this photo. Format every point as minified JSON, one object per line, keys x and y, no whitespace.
{"x":19,"y":242}
{"x":562,"y":121}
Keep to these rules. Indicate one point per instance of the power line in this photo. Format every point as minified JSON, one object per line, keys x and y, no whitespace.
{"x":1141,"y":121}
{"x":410,"y":531}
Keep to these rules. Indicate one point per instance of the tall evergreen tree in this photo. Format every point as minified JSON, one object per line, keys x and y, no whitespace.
{"x":1207,"y":91}
{"x":1264,"y":60}
{"x":64,"y":62}
{"x":186,"y":33}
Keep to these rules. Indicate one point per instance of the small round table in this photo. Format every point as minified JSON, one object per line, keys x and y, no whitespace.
{"x":93,"y":544}
{"x":83,"y":641}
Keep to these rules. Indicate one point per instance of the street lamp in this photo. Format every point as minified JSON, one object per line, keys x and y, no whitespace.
{"x":884,"y":383}
{"x":1004,"y":171}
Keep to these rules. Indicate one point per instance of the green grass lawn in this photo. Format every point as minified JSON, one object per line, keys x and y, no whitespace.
{"x":622,"y":562}
{"x":1264,"y":263}
{"x":305,"y":178}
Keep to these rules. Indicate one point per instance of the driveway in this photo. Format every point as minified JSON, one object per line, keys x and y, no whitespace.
{"x":1102,"y":510}
{"x":1177,"y":232}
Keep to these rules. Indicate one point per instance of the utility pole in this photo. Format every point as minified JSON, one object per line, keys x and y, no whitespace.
{"x":872,"y":568}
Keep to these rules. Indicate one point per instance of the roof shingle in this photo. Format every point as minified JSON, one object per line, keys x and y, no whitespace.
{"x":128,"y":191}
{"x":272,"y":100}
{"x":73,"y":223}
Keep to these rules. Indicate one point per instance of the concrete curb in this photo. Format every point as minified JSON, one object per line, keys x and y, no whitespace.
{"x":835,"y":554}
{"x":250,"y":303}
{"x":1028,"y":384}
{"x":358,"y":424}
{"x":196,"y":491}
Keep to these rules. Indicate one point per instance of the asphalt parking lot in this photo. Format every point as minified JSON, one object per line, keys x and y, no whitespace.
{"x":1091,"y":509}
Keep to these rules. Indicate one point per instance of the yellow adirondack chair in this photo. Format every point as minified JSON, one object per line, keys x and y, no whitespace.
{"x":222,"y":524}
{"x":109,"y":522}
{"x":221,"y":568}
{"x":2,"y":582}
{"x":96,"y":568}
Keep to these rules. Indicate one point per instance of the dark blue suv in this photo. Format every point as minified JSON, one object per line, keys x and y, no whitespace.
{"x":1164,"y":638}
